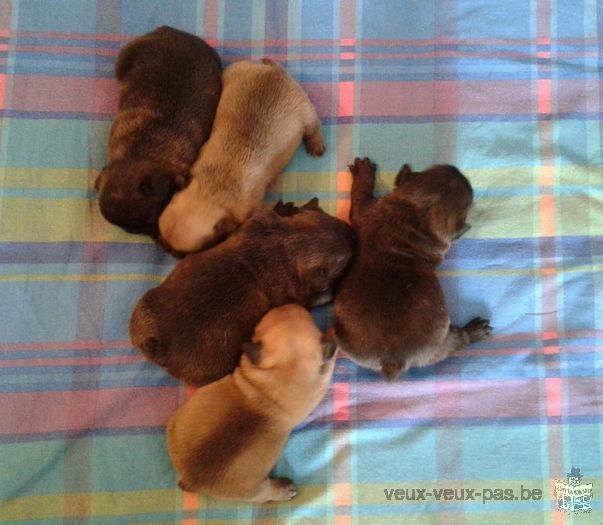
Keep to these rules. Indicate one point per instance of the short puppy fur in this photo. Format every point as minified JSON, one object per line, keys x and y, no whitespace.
{"x":170,"y":84}
{"x":262,"y":117}
{"x":195,"y":322}
{"x":390,"y":313}
{"x":227,"y":437}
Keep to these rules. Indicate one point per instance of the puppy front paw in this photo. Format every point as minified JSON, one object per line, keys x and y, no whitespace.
{"x":363,"y":167}
{"x":285,"y":489}
{"x":478,"y":329}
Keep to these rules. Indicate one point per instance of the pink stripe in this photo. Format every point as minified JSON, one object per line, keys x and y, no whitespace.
{"x":553,"y":396}
{"x":544,"y":96}
{"x":73,"y":36}
{"x":66,"y":50}
{"x":408,"y":400}
{"x":346,"y":99}
{"x":66,"y":345}
{"x":26,"y":413}
{"x":321,"y":96}
{"x":124,"y":343}
{"x":444,"y":98}
{"x":98,"y":95}
{"x":72,"y":361}
{"x":347,"y":23}
{"x":210,"y":23}
{"x":341,"y":401}
{"x":2,"y":90}
{"x":212,"y":11}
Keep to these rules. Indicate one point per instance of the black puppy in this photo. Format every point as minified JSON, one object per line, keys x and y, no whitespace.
{"x":195,"y":323}
{"x":390,"y":312}
{"x":170,"y":84}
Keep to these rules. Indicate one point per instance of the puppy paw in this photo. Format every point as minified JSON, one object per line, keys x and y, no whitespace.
{"x":477,"y":329}
{"x":284,"y":489}
{"x":285,"y":209}
{"x":315,"y":145}
{"x":363,"y":167}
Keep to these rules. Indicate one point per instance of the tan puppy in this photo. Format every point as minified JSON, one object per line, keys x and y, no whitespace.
{"x":227,"y":437}
{"x":262,"y":116}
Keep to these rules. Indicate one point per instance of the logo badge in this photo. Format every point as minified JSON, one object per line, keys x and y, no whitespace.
{"x":573,"y":495}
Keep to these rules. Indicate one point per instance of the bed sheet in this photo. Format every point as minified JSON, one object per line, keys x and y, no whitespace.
{"x":510,"y":92}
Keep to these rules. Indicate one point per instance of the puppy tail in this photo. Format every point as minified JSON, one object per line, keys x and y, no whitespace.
{"x":185,"y":486}
{"x":391,"y":370}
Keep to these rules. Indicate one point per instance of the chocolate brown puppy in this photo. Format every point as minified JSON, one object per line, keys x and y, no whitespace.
{"x":170,"y":84}
{"x":227,"y":437}
{"x":262,"y":117}
{"x":195,"y":322}
{"x":390,"y":313}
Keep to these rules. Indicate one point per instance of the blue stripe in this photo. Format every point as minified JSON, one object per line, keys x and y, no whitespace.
{"x":148,"y":253}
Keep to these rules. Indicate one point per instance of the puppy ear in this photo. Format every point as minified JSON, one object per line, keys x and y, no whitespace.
{"x":100,"y":179}
{"x":404,"y":172}
{"x":463,"y":229}
{"x":312,"y":204}
{"x":317,"y":280}
{"x":253,"y":351}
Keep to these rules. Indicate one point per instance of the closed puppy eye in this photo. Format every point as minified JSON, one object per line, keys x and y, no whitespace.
{"x":146,"y":189}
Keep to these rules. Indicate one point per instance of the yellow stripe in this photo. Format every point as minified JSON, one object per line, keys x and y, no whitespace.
{"x":100,"y":504}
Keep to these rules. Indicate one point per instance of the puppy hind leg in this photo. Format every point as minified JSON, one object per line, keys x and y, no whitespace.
{"x":458,"y":338}
{"x":274,"y":489}
{"x":313,"y":138}
{"x":363,"y":185}
{"x":477,"y":329}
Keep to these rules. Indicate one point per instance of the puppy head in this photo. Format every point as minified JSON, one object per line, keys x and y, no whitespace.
{"x":192,"y":222}
{"x":287,"y":338}
{"x":442,"y":195}
{"x":322,"y":247}
{"x":133,"y":194}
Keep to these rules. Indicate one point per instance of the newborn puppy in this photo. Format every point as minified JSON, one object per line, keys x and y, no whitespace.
{"x":227,"y":437}
{"x":195,"y":322}
{"x":262,"y":116}
{"x":170,"y":83}
{"x":390,"y":313}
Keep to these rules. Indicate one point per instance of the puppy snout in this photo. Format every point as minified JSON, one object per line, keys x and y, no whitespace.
{"x":166,"y":246}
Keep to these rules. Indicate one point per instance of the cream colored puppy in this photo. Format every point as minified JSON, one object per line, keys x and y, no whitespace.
{"x":227,"y":437}
{"x":262,"y":116}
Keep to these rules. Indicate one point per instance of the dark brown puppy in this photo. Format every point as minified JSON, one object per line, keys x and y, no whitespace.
{"x":195,"y":323}
{"x":390,"y":312}
{"x":170,"y":84}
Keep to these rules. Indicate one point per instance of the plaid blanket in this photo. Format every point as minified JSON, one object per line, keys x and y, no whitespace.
{"x":510,"y":92}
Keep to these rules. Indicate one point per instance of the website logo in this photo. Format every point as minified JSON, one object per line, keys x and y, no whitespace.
{"x":573,"y":495}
